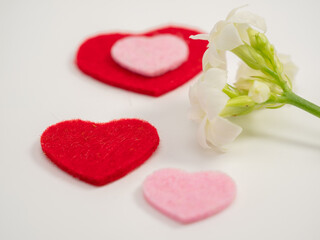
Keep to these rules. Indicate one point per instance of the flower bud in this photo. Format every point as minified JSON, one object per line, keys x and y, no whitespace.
{"x":250,"y":56}
{"x":259,"y":92}
{"x":258,"y":40}
{"x":238,"y":106}
{"x":261,"y":43}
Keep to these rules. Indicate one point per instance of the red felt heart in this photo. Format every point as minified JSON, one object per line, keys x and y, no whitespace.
{"x":99,"y":153}
{"x":94,"y":59}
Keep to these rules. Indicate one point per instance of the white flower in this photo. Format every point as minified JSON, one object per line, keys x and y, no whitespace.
{"x":207,"y":101}
{"x":264,"y":78}
{"x":227,"y":35}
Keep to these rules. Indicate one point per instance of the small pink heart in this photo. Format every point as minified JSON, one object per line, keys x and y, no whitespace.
{"x":189,"y":197}
{"x":150,"y":56}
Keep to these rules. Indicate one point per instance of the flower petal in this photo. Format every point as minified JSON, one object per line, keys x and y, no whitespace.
{"x":249,"y":18}
{"x":289,"y":68}
{"x":221,"y":132}
{"x":216,"y":59}
{"x":201,"y":134}
{"x":245,"y":72}
{"x":242,"y":29}
{"x":209,"y":92}
{"x":233,"y":11}
{"x":206,"y":96}
{"x":212,"y":101}
{"x":205,"y":61}
{"x":193,"y":94}
{"x":202,"y":36}
{"x":196,"y":113}
{"x":215,"y":78}
{"x":228,"y":38}
{"x":216,"y":30}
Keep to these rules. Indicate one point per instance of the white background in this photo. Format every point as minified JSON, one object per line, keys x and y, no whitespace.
{"x":275,"y":162}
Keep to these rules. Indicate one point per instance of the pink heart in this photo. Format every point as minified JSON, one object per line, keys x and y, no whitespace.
{"x":189,"y":197}
{"x":150,"y":56}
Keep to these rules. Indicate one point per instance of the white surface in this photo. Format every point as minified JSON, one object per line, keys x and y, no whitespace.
{"x":275,"y":162}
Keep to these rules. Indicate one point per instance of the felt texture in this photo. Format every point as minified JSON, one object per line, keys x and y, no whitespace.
{"x":189,"y":197}
{"x":94,"y":59}
{"x":99,"y":153}
{"x":150,"y":56}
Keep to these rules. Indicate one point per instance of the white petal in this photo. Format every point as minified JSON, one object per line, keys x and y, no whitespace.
{"x":193,"y":94}
{"x":201,"y":134}
{"x":206,"y":94}
{"x":221,"y":132}
{"x":202,"y":36}
{"x":233,"y":11}
{"x":196,"y":113}
{"x":215,"y":104}
{"x":215,"y":78}
{"x":249,"y":18}
{"x":216,"y":59}
{"x":205,"y":61}
{"x":228,"y":38}
{"x":216,"y":30}
{"x":259,"y":92}
{"x":289,"y":68}
{"x":244,"y":72}
{"x":242,"y":29}
{"x":210,"y":96}
{"x":212,"y":101}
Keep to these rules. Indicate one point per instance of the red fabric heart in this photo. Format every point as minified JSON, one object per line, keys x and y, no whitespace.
{"x":99,"y":153}
{"x":94,"y":59}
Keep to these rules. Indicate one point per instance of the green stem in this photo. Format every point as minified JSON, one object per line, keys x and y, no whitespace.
{"x":295,"y":100}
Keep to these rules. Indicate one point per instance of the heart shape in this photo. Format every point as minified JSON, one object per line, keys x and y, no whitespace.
{"x":99,"y":153}
{"x":94,"y":59}
{"x":150,"y":56}
{"x":189,"y":197}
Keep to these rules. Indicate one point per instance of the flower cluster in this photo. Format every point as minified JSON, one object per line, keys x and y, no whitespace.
{"x":264,"y":78}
